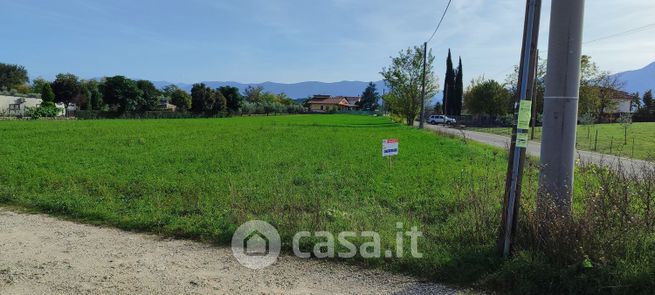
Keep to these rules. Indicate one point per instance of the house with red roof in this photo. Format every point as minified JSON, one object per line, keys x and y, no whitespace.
{"x":325,"y":103}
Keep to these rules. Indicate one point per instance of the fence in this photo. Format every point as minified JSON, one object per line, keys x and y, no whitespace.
{"x":484,"y":121}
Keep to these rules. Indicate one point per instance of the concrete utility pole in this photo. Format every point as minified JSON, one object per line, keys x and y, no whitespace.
{"x":425,"y":58}
{"x":560,"y":108}
{"x":522,"y":112}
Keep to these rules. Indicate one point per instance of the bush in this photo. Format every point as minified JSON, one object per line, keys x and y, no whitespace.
{"x":42,"y":111}
{"x":505,"y":120}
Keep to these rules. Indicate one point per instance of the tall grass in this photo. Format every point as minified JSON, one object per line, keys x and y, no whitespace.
{"x":607,"y":245}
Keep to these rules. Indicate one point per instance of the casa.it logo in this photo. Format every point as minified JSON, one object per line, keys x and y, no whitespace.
{"x":256,"y":244}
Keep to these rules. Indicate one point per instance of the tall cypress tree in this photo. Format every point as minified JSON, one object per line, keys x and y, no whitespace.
{"x":458,"y":96}
{"x":449,"y":86}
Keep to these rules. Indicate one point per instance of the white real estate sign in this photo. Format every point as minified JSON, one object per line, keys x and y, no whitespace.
{"x":389,"y":147}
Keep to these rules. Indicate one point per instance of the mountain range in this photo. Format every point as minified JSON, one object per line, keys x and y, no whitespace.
{"x":635,"y":81}
{"x":638,"y":80}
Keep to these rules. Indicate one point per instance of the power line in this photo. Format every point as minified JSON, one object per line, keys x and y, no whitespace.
{"x":441,"y":20}
{"x":627,"y":32}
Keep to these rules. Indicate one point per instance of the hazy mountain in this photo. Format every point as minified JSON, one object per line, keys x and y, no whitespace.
{"x":639,"y":80}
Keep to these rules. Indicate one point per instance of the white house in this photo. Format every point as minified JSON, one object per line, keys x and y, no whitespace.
{"x":11,"y":106}
{"x":622,"y":102}
{"x":16,"y":106}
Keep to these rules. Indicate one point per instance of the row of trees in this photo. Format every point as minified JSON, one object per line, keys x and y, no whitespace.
{"x":598,"y":92}
{"x":483,"y":97}
{"x":117,"y":93}
{"x":453,"y":88}
{"x":121,"y":95}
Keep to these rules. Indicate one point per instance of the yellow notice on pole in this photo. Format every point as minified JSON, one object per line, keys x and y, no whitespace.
{"x":522,"y":140}
{"x":525,"y":113}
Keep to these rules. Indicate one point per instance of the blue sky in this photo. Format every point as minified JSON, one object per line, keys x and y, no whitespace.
{"x":294,"y":40}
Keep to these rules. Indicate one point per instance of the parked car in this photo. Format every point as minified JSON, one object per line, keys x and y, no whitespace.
{"x":441,"y":119}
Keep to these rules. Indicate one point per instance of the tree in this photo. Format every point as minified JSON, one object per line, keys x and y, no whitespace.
{"x":268,"y":98}
{"x":449,"y":86}
{"x":283,"y":99}
{"x":92,"y":98}
{"x":37,"y":84}
{"x":67,"y":89}
{"x":12,"y":76}
{"x":253,"y":94}
{"x":233,"y":98}
{"x":202,"y":99}
{"x":648,"y":99}
{"x":635,"y":104}
{"x":458,"y":93}
{"x":487,"y":98}
{"x":649,"y":103}
{"x":597,"y":89}
{"x":403,"y":77}
{"x":122,"y":94}
{"x":626,"y":122}
{"x":608,"y":88}
{"x":438,"y":108}
{"x":149,"y":94}
{"x":646,"y":111}
{"x":512,"y":84}
{"x":370,"y":97}
{"x":96,"y":96}
{"x":47,"y":95}
{"x":220,"y":101}
{"x":181,"y":99}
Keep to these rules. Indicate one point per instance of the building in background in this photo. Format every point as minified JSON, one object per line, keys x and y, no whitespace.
{"x":326,"y":103}
{"x":16,"y":106}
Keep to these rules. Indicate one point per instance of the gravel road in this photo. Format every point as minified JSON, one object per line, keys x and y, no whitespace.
{"x":44,"y":255}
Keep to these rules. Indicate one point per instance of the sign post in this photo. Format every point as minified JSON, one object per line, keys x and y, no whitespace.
{"x":389,"y":148}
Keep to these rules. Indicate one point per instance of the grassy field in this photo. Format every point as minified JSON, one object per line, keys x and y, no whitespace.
{"x":202,"y":178}
{"x":640,"y":143}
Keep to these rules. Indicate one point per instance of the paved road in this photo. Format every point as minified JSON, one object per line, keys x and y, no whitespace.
{"x":534,"y":149}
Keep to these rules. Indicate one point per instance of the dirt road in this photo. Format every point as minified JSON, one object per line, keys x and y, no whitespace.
{"x":44,"y":255}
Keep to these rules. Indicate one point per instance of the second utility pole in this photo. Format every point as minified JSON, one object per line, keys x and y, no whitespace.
{"x":425,"y":57}
{"x":522,"y":113}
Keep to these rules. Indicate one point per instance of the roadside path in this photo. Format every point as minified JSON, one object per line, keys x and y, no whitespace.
{"x":44,"y":255}
{"x":534,"y":149}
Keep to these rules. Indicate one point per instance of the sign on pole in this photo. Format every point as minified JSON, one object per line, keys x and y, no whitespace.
{"x":389,"y":147}
{"x":525,"y":114}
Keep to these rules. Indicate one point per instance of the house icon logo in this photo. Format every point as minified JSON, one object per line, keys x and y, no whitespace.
{"x":256,"y":244}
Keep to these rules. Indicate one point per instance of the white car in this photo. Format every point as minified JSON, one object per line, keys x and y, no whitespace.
{"x":441,"y":119}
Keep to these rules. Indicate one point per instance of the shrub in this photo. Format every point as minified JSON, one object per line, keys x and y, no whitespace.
{"x":42,"y":111}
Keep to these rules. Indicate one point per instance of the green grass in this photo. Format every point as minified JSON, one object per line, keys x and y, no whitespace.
{"x":202,"y":178}
{"x":640,"y":143}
